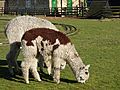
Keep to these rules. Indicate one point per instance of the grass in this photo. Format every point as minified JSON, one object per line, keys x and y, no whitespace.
{"x":98,"y":43}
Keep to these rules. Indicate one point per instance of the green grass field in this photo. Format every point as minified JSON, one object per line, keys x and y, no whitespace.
{"x":98,"y":43}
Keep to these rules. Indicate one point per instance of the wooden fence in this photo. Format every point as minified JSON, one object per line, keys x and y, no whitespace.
{"x":113,"y":12}
{"x":75,"y":11}
{"x":1,"y":10}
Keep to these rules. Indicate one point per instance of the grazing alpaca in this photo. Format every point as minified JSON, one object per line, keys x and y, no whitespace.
{"x":14,"y":31}
{"x":55,"y":47}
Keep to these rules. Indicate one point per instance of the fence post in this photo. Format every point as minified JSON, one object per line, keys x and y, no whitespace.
{"x":119,"y":12}
{"x":82,"y":8}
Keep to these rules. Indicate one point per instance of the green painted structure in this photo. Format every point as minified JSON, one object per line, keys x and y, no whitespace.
{"x":54,"y":5}
{"x":69,"y":5}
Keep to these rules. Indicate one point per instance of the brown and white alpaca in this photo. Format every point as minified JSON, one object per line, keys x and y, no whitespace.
{"x":14,"y":31}
{"x":55,"y":47}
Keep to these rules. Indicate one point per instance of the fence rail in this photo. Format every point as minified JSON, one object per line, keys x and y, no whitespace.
{"x":1,"y":10}
{"x":75,"y":11}
{"x":115,"y":11}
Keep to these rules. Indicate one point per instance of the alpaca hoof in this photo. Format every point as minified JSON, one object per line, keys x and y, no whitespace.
{"x":27,"y":82}
{"x":39,"y":80}
{"x":57,"y":81}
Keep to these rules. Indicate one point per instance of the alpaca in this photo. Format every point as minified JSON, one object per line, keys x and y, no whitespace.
{"x":55,"y":47}
{"x":14,"y":31}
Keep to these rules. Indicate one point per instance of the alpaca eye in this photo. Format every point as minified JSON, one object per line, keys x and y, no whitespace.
{"x":83,"y":67}
{"x":86,"y":73}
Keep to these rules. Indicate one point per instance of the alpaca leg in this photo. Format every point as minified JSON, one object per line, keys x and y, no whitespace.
{"x":49,"y":66}
{"x":48,"y":63}
{"x":12,"y":56}
{"x":25,"y":70}
{"x":33,"y":68}
{"x":41,"y":63}
{"x":56,"y":75}
{"x":35,"y":74}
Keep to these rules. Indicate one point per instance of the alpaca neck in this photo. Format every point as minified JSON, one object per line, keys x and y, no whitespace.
{"x":75,"y":65}
{"x":73,"y":59}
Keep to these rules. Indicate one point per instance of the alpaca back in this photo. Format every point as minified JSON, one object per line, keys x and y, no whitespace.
{"x":19,"y":25}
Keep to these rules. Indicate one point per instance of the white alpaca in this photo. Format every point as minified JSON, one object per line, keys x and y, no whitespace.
{"x":14,"y":31}
{"x":55,"y":48}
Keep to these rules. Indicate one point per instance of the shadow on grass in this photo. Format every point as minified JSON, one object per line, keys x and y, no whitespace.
{"x":5,"y":19}
{"x":4,"y":73}
{"x":45,"y":76}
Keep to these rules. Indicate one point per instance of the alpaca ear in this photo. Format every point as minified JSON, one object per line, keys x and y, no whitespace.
{"x":87,"y":66}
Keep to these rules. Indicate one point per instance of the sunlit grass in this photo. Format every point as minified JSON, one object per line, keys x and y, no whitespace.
{"x":97,"y":42}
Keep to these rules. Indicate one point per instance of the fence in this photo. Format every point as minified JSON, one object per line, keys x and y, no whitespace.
{"x":112,"y":12}
{"x":115,"y":11}
{"x":75,"y":11}
{"x":1,"y":10}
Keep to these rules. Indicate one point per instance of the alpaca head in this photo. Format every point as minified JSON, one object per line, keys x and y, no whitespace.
{"x":83,"y":74}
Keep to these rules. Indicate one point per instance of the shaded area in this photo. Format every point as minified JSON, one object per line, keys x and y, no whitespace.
{"x":114,"y":2}
{"x":46,"y":77}
{"x":5,"y":19}
{"x":3,"y":62}
{"x":99,"y":9}
{"x":4,"y":73}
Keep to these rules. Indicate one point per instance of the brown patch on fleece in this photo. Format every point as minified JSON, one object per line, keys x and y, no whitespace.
{"x":46,"y":34}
